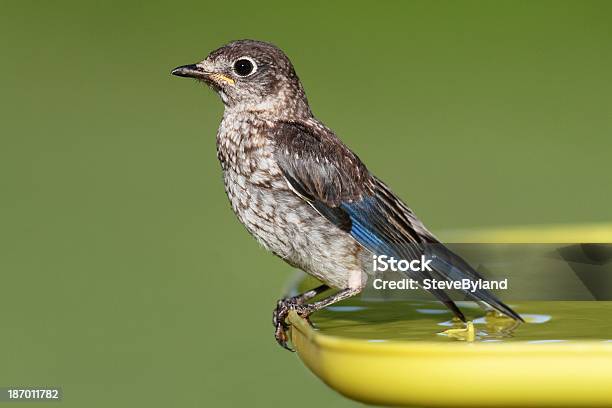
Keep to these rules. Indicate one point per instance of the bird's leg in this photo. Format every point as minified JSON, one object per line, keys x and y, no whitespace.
{"x":284,"y":306}
{"x":303,"y":297}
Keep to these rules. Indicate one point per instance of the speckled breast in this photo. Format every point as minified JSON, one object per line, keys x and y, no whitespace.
{"x":280,"y":220}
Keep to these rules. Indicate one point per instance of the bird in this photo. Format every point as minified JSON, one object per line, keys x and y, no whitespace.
{"x":303,"y":194}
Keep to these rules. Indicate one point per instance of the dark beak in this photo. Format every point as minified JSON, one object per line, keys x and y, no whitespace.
{"x":189,"y":71}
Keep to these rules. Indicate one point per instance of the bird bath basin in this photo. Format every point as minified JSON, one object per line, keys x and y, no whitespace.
{"x":411,"y":353}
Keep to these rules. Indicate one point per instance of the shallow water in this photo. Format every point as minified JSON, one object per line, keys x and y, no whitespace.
{"x":425,"y":321}
{"x":422,"y":320}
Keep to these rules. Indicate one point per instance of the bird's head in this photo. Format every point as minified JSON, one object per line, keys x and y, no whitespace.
{"x":250,"y":75}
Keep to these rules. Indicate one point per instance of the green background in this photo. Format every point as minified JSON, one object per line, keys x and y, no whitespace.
{"x":126,"y":278}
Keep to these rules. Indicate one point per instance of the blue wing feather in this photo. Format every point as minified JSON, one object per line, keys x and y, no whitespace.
{"x":337,"y":184}
{"x":372,"y":227}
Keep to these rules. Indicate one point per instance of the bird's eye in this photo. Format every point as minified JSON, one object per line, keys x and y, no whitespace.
{"x":244,"y":66}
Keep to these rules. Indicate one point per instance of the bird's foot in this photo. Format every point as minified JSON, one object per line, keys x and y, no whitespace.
{"x":283,"y":307}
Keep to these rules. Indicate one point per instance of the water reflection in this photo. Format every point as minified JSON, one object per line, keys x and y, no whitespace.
{"x":424,"y":320}
{"x":549,"y":321}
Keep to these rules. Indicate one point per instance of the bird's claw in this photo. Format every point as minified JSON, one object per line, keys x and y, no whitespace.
{"x":283,"y":307}
{"x":281,"y":337}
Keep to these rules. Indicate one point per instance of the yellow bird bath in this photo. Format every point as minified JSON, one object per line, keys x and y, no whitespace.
{"x":414,"y":354}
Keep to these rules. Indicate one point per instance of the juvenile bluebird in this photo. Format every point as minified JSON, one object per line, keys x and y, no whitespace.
{"x":302,"y":193}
